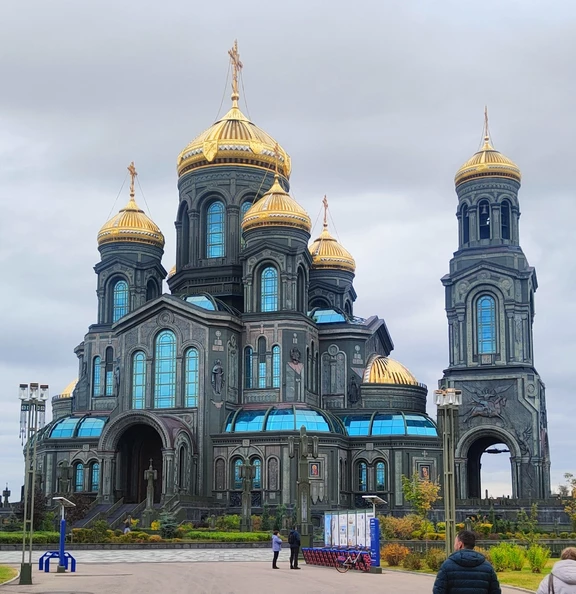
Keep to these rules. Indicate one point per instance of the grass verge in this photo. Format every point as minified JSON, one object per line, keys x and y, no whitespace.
{"x":7,"y":573}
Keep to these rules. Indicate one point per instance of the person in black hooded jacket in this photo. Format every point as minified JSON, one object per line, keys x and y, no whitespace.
{"x":466,"y":571}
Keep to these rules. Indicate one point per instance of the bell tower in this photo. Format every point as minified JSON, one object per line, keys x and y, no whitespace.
{"x":490,"y":308}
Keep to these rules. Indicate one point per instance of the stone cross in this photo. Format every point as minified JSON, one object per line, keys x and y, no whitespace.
{"x":150,"y":476}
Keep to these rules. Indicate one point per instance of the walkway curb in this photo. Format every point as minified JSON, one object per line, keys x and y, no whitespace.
{"x":17,"y":576}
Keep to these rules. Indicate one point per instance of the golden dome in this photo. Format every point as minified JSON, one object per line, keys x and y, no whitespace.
{"x":234,"y":139}
{"x":131,"y":224}
{"x":172,"y":272}
{"x":276,"y":209}
{"x":67,"y":391}
{"x":383,"y":370}
{"x":327,"y":252}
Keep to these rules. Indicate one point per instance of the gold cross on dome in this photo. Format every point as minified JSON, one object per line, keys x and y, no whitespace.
{"x":486,"y":131}
{"x":325,"y":204}
{"x":133,"y":174}
{"x":236,"y":67}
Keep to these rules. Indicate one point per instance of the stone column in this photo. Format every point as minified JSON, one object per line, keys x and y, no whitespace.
{"x":106,"y":478}
{"x":168,"y":473}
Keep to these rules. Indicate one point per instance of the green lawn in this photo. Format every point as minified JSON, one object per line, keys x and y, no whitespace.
{"x":6,"y":573}
{"x":522,"y":579}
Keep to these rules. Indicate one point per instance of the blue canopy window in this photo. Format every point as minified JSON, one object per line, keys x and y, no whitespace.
{"x":119,"y":300}
{"x":362,"y":477}
{"x":380,"y":476}
{"x":269,"y":289}
{"x":486,"y":324}
{"x":97,"y":377}
{"x":64,"y":428}
{"x":138,"y":380}
{"x":90,"y":427}
{"x":95,"y":477}
{"x":191,"y":398}
{"x":79,"y":477}
{"x":165,"y":370}
{"x":215,"y":230}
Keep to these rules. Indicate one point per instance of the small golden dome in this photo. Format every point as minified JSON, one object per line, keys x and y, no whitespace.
{"x":383,"y":370}
{"x":67,"y":391}
{"x":172,"y":272}
{"x":327,"y":252}
{"x":276,"y":209}
{"x":131,"y":224}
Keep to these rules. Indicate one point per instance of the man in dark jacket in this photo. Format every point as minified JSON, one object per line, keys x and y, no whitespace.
{"x":466,"y":571}
{"x":294,"y":542}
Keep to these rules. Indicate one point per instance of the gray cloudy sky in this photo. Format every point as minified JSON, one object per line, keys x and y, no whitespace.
{"x":378,"y":102}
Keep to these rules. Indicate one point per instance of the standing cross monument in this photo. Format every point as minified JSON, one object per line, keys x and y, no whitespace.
{"x":150,"y":476}
{"x":247,"y":472}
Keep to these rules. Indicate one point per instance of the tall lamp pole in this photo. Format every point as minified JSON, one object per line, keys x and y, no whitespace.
{"x":448,"y":400}
{"x":32,"y":416}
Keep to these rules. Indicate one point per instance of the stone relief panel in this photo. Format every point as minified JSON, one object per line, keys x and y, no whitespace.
{"x":333,"y":372}
{"x":273,"y":482}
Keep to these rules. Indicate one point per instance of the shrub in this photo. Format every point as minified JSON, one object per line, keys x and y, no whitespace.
{"x":485,"y":552}
{"x":256,"y":523}
{"x":168,"y":525}
{"x":564,"y":535}
{"x":516,"y":557}
{"x":441,"y":526}
{"x":38,"y":537}
{"x":537,"y":557}
{"x":155,"y":525}
{"x":499,"y":557}
{"x":434,"y":558}
{"x":402,"y":528}
{"x":228,"y":522}
{"x":394,"y":554}
{"x":484,"y":529}
{"x":412,"y":561}
{"x":155,"y":538}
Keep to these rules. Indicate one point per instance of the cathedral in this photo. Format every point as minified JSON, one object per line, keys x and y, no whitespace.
{"x":258,"y":337}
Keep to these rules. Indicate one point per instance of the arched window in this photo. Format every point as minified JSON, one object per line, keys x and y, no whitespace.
{"x":269,"y":289}
{"x":244,"y":208}
{"x":505,"y":218}
{"x":97,"y":377}
{"x":185,"y":236}
{"x":315,"y":374}
{"x":182,"y":467}
{"x":320,"y":303}
{"x":362,"y":476}
{"x":138,"y":379}
{"x":486,"y":324}
{"x":248,"y":369}
{"x":151,"y":290}
{"x":348,"y":308}
{"x":276,"y":366}
{"x":262,"y":362}
{"x":484,"y":220}
{"x":215,"y":230}
{"x":257,"y":483}
{"x":237,"y":478}
{"x":165,"y":368}
{"x":79,"y":477}
{"x":120,"y":300}
{"x":341,"y":474}
{"x":301,"y":304}
{"x":465,"y":224}
{"x":380,"y":476}
{"x":308,"y":368}
{"x":109,"y":372}
{"x":95,"y":477}
{"x":191,"y":376}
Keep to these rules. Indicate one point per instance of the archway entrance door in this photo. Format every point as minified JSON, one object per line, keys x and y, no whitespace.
{"x":482,"y":448}
{"x":138,"y":445}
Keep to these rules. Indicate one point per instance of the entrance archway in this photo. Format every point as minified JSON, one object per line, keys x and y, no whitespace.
{"x":136,"y":447}
{"x":482,"y":447}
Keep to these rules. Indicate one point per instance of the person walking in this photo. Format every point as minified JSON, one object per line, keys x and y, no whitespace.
{"x":562,"y":580}
{"x":276,"y":548}
{"x":127,"y":524}
{"x":466,"y":571}
{"x":294,"y":542}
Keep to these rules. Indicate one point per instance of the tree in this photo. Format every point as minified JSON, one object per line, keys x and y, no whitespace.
{"x":265,"y":518}
{"x":420,"y":493}
{"x":39,"y":509}
{"x":527,"y":524}
{"x":569,"y":500}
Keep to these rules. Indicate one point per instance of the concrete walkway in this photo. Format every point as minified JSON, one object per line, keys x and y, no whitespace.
{"x":217,"y":578}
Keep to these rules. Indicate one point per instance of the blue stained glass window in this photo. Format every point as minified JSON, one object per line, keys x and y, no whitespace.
{"x":420,"y":425}
{"x":362,"y":476}
{"x":248,"y":358}
{"x":201,"y":301}
{"x":64,"y":428}
{"x":192,"y":377}
{"x":276,"y":366}
{"x":79,"y":477}
{"x":262,"y":375}
{"x":327,"y":316}
{"x":312,"y":420}
{"x":243,"y":210}
{"x":120,"y":305}
{"x":388,"y":425}
{"x":250,"y":420}
{"x":165,"y":377}
{"x":138,"y":379}
{"x":215,"y":231}
{"x":95,"y":477}
{"x":281,"y":420}
{"x":486,"y":321}
{"x":237,"y":477}
{"x":380,"y":476}
{"x":358,"y":425}
{"x":257,"y":483}
{"x":90,"y":427}
{"x":269,"y":289}
{"x":97,"y":376}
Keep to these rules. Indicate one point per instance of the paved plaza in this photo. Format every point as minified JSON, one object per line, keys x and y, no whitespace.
{"x":203,"y":572}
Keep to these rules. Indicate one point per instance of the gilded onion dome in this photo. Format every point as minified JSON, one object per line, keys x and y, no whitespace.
{"x":172,"y":272}
{"x":234,"y":139}
{"x":327,"y":252}
{"x":384,"y":370}
{"x":67,"y":391}
{"x":276,"y":209}
{"x":487,"y":162}
{"x":131,"y":224}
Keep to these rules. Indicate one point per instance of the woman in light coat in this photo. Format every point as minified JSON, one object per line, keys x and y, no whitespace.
{"x":562,"y":580}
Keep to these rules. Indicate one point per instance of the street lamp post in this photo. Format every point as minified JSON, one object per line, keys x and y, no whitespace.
{"x":32,"y":415}
{"x":448,"y":400}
